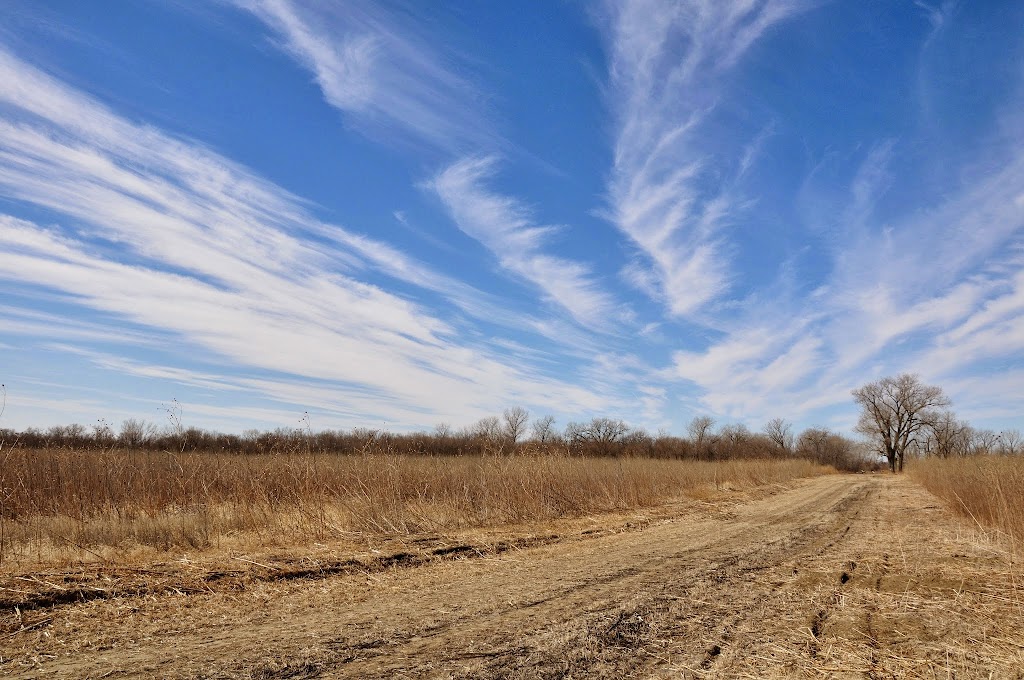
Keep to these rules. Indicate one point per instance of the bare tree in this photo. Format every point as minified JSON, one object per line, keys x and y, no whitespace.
{"x":700,"y":429}
{"x":103,"y":433}
{"x":734,"y":441}
{"x":600,"y":435}
{"x":544,"y":429}
{"x":829,"y":448}
{"x":488,"y":428}
{"x":700,"y":433}
{"x":1010,"y":442}
{"x":135,"y":433}
{"x":515,"y":419}
{"x":780,"y":433}
{"x":948,"y":436}
{"x":983,"y":442}
{"x":894,"y":411}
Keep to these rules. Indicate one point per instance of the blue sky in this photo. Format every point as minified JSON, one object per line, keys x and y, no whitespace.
{"x":407,"y":214}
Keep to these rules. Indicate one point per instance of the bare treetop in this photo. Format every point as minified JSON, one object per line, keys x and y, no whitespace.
{"x":700,"y":428}
{"x":516,"y":419}
{"x":895,"y":410}
{"x":780,"y":432}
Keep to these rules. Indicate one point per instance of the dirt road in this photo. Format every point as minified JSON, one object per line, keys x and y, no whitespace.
{"x":837,"y":576}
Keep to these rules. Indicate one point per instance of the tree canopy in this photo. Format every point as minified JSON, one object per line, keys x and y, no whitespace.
{"x":894,"y":411}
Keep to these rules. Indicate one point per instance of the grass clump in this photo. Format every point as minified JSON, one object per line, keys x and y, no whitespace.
{"x":988,"y":489}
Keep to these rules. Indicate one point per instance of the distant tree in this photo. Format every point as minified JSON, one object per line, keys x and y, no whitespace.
{"x":734,"y":440}
{"x":600,"y":436}
{"x":894,"y":411}
{"x":135,"y":433}
{"x":983,"y":442}
{"x":1010,"y":442}
{"x":515,"y":421}
{"x":736,"y":434}
{"x":947,"y":436}
{"x":829,"y":448}
{"x":489,"y":435}
{"x":102,"y":433}
{"x":543,"y":429}
{"x":699,"y":430}
{"x":780,"y":433}
{"x":638,"y":442}
{"x":488,"y":427}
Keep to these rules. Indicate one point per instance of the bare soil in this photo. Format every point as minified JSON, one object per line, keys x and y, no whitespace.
{"x":864,"y":576}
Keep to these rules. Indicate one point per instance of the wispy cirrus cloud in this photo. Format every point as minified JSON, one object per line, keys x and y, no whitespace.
{"x":794,"y":242}
{"x":936,"y":291}
{"x":671,"y":188}
{"x":506,"y":227}
{"x":374,"y":66}
{"x":166,"y":234}
{"x":924,"y":283}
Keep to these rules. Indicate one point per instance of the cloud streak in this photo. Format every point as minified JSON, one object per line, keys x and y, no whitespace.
{"x":775,"y":245}
{"x":167,"y":235}
{"x":375,"y":67}
{"x":669,"y":190}
{"x":935,"y":291}
{"x":506,"y":228}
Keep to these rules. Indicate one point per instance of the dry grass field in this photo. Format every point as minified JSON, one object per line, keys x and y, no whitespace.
{"x":122,"y":564}
{"x":989,"y":490}
{"x":68,"y":505}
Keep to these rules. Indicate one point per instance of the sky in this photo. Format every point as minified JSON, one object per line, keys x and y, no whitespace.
{"x":400,"y":214}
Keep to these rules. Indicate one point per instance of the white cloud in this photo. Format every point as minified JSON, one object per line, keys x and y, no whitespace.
{"x":164,"y":243}
{"x":506,"y":228}
{"x":326,"y":327}
{"x":667,"y":192}
{"x":746,"y":374}
{"x":167,"y":235}
{"x":938,"y":292}
{"x":202,"y":213}
{"x":375,"y":67}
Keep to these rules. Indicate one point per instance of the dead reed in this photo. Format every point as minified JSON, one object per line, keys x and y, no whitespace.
{"x":77,"y":503}
{"x":987,"y":489}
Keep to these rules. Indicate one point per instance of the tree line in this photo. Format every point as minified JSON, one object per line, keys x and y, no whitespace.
{"x":900,"y":416}
{"x":514,"y":432}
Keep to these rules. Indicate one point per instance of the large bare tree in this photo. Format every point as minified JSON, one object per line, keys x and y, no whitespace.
{"x":894,"y":411}
{"x":700,"y":429}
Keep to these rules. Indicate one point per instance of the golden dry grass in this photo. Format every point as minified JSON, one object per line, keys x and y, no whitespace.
{"x":71,"y":504}
{"x":987,"y":489}
{"x":845,"y":576}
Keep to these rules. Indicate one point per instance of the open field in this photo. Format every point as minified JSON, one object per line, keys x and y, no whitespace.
{"x":123,"y":507}
{"x":831,"y":576}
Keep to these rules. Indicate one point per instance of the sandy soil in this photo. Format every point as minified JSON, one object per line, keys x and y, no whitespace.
{"x":862,"y":576}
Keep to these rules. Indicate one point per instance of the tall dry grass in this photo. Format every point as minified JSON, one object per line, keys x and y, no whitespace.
{"x":987,"y":489}
{"x":74,"y":502}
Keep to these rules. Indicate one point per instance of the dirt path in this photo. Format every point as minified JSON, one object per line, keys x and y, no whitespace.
{"x":839,"y":576}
